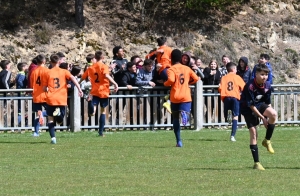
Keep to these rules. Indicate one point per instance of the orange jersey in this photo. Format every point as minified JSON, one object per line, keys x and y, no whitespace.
{"x":56,"y":81}
{"x":163,"y":58}
{"x":99,"y":82}
{"x":231,"y":85}
{"x":38,"y":94}
{"x":179,"y":77}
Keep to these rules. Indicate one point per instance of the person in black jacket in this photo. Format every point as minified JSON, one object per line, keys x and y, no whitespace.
{"x":5,"y":75}
{"x":129,"y":76}
{"x":212,"y":76}
{"x":243,"y":69}
{"x":118,"y":64}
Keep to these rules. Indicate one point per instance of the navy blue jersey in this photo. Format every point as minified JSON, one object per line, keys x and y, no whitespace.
{"x":254,"y":95}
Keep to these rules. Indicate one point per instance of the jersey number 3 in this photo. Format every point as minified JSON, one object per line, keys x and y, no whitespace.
{"x":56,"y":82}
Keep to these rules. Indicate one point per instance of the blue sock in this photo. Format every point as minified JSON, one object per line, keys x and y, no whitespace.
{"x":36,"y":125}
{"x":90,"y":107}
{"x":176,"y":126}
{"x":234,"y":127}
{"x":101,"y":124}
{"x":51,"y":129}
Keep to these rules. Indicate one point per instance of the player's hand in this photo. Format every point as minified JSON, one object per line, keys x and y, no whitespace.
{"x":116,"y":87}
{"x":80,"y":93}
{"x":158,"y":66}
{"x":68,"y":85}
{"x":265,"y":121}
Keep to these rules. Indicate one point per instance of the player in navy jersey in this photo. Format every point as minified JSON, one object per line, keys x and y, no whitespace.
{"x":255,"y":104}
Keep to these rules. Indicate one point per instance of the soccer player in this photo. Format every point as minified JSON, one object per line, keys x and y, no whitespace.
{"x":179,"y":78}
{"x":230,"y":89}
{"x":256,"y":104}
{"x":100,"y":78}
{"x":38,"y":94}
{"x":55,"y":84}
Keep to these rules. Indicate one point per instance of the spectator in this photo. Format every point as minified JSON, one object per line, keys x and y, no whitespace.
{"x":129,"y":76}
{"x":21,"y":83}
{"x":264,"y":59}
{"x":145,"y":75}
{"x":5,"y":75}
{"x":118,"y":64}
{"x":222,"y":69}
{"x":243,"y":69}
{"x":31,"y":68}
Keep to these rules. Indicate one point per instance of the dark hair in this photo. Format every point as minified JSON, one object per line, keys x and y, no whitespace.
{"x":20,"y":66}
{"x":161,"y":41}
{"x":262,"y":68}
{"x":40,"y":59}
{"x":89,"y":57}
{"x":225,"y":56}
{"x":230,"y":66}
{"x":176,"y":56}
{"x":4,"y":63}
{"x":75,"y":70}
{"x":98,"y":55}
{"x":60,"y":54}
{"x":54,"y":58}
{"x":129,"y":65}
{"x":132,"y":59}
{"x":64,"y":66}
{"x":265,"y":56}
{"x":148,"y":62}
{"x":116,"y":50}
{"x":34,"y":60}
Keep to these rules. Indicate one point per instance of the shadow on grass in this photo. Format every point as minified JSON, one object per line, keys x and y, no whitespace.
{"x":206,"y":139}
{"x":214,"y":169}
{"x":23,"y":142}
{"x":282,"y":167}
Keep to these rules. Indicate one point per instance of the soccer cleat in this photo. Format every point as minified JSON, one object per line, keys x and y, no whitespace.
{"x":56,"y":112}
{"x":232,"y":139}
{"x":41,"y":117}
{"x":167,"y":105}
{"x":184,"y":118}
{"x":35,"y":134}
{"x":267,"y":143}
{"x":53,"y":141}
{"x":258,"y":166}
{"x":101,"y":135}
{"x":179,"y":144}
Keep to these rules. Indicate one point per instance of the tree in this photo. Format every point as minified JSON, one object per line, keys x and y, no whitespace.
{"x":79,"y":18}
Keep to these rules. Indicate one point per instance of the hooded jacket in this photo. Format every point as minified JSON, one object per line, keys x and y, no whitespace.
{"x":246,"y":73}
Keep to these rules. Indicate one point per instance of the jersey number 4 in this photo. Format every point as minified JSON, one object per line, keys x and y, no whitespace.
{"x":38,"y":81}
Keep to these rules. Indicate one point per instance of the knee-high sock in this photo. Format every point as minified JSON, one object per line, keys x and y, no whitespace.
{"x":176,"y":126}
{"x":90,"y":107}
{"x":254,"y":151}
{"x":234,"y":127}
{"x":101,"y":123}
{"x":51,"y":129}
{"x":270,"y":130}
{"x":36,"y":125}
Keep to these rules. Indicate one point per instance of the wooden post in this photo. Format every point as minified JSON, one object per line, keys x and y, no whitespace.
{"x":75,"y":111}
{"x":198,"y":106}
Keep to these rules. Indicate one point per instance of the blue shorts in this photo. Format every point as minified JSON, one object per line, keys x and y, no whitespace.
{"x":185,"y":106}
{"x":163,"y":75}
{"x":103,"y":101}
{"x":50,"y":109}
{"x":38,"y":106}
{"x":231,"y":103}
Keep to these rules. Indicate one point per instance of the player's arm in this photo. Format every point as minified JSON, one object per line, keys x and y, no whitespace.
{"x":171,"y":78}
{"x":77,"y":85}
{"x":84,"y":76}
{"x":112,"y":81}
{"x":193,"y":77}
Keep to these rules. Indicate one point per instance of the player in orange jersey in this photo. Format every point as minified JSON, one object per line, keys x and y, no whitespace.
{"x":230,"y":88}
{"x":179,"y":78}
{"x":55,"y":84}
{"x":100,"y":78}
{"x":38,"y":94}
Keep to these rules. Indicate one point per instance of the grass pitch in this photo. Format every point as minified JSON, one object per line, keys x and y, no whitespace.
{"x":148,"y":163}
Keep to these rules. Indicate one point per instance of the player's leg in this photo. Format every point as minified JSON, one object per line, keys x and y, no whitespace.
{"x":235,"y":108}
{"x":37,"y":107}
{"x":103,"y":104}
{"x":51,"y":124}
{"x":271,"y":114}
{"x":176,"y":123}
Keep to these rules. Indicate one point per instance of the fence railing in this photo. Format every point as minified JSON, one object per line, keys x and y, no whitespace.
{"x":140,"y":109}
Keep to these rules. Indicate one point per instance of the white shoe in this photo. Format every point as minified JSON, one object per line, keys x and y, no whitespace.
{"x":232,"y":139}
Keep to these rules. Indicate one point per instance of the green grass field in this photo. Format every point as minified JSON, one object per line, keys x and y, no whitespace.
{"x":148,"y":163}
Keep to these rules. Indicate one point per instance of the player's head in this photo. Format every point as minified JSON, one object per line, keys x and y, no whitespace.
{"x":98,"y":55}
{"x":40,"y":59}
{"x":231,"y":67}
{"x":54,"y":59}
{"x":62,"y":57}
{"x":261,"y":74}
{"x":161,"y":41}
{"x":176,"y":56}
{"x":89,"y":58}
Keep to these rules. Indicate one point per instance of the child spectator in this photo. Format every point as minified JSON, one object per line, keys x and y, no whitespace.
{"x":21,"y":83}
{"x":243,"y":70}
{"x":255,"y":105}
{"x":129,"y":76}
{"x":5,"y":76}
{"x":230,"y":89}
{"x":264,"y":59}
{"x":145,"y":75}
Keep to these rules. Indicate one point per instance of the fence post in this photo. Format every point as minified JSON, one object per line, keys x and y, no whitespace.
{"x":198,"y":106}
{"x":75,"y":111}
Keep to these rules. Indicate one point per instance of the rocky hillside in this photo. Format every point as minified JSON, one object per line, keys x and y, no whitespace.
{"x":255,"y":27}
